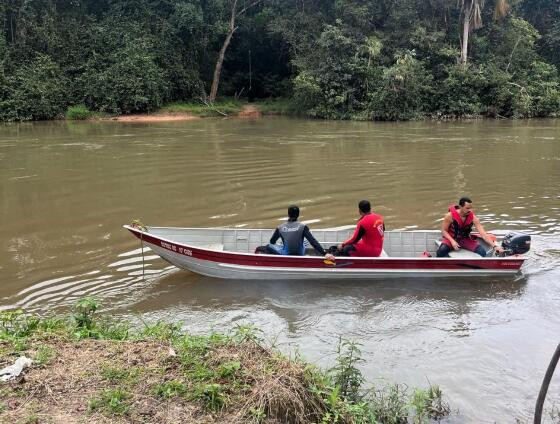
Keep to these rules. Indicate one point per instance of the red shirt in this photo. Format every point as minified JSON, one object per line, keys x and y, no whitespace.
{"x":368,"y":236}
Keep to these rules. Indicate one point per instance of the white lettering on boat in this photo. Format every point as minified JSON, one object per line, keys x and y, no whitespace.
{"x":174,"y":248}
{"x":168,"y":246}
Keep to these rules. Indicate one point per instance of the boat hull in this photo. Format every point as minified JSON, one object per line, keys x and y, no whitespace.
{"x":234,"y":265}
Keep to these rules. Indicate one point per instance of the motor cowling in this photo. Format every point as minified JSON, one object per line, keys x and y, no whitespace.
{"x":516,"y":243}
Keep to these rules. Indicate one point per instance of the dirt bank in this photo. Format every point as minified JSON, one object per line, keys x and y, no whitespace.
{"x":156,"y":117}
{"x":248,"y":112}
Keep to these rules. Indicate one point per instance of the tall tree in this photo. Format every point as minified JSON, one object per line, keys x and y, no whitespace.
{"x":471,"y":14}
{"x":236,"y":11}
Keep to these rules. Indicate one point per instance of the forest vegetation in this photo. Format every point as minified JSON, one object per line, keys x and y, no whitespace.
{"x":334,"y":59}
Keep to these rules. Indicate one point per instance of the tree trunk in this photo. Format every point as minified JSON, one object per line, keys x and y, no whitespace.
{"x":466,"y":31}
{"x":221,"y":55}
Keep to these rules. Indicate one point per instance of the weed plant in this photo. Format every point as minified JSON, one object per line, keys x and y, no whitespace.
{"x":171,"y":389}
{"x":44,"y":355}
{"x":110,"y":402}
{"x":346,"y":376}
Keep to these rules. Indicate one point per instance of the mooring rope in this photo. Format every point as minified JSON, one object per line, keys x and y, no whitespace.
{"x":136,"y":223}
{"x":545,"y":384}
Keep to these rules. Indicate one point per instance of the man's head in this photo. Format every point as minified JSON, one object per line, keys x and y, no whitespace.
{"x":364,"y":206}
{"x":465,"y":205}
{"x":293,"y":212}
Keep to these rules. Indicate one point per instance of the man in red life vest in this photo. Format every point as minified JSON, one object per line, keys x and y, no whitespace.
{"x":456,"y":230}
{"x":367,"y":239}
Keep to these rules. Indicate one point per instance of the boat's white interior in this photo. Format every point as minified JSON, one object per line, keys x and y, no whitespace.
{"x":396,"y":243}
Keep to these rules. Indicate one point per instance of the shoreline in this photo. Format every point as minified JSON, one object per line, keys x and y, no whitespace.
{"x":97,"y":370}
{"x":164,"y":117}
{"x":246,"y":112}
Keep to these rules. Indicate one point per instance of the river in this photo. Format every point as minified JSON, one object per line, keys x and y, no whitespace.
{"x":67,"y":188}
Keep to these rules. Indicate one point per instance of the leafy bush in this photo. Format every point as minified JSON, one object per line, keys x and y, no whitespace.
{"x":79,"y":112}
{"x":458,"y":94}
{"x":127,"y":81}
{"x":35,"y":91}
{"x":404,"y":91}
{"x":544,"y":89}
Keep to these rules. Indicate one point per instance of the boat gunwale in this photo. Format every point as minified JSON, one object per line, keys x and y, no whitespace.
{"x":513,"y":258}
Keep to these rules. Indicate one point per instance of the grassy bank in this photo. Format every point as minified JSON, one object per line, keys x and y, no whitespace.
{"x":92,"y":369}
{"x":225,"y":107}
{"x":229,"y":107}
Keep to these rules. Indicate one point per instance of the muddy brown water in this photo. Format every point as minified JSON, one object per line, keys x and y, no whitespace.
{"x":66,"y":189}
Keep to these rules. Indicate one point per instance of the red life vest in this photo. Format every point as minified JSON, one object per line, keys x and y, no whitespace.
{"x":459,"y":228}
{"x":371,"y":242}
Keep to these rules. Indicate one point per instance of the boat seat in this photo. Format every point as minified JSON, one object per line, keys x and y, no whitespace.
{"x":461,"y":253}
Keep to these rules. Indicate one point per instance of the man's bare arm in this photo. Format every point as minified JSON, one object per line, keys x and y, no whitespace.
{"x":485,"y":235}
{"x":444,"y":226}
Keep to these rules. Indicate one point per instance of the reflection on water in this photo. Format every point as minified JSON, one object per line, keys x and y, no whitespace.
{"x":66,"y":189}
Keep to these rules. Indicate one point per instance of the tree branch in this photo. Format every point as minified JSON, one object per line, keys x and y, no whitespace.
{"x":247,"y":7}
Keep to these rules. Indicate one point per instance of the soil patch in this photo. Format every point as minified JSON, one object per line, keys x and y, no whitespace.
{"x":156,"y":118}
{"x":249,"y":112}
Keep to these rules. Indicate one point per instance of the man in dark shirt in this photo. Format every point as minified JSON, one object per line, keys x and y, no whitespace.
{"x":292,"y":234}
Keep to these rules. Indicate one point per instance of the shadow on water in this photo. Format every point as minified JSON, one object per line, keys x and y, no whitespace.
{"x":190,"y":291}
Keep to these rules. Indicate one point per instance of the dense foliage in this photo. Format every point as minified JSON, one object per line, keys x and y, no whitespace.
{"x":355,"y":59}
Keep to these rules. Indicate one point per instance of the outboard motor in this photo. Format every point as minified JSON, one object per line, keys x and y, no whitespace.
{"x":516,"y":244}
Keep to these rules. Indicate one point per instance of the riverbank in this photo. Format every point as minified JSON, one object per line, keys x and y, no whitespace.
{"x":187,"y":111}
{"x":98,"y":370}
{"x":246,"y":111}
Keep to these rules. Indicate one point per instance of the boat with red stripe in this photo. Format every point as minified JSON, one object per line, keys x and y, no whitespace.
{"x":229,"y":253}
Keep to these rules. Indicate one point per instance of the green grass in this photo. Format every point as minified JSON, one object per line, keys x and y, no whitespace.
{"x":78,"y":113}
{"x":212,"y":395}
{"x":428,"y":404}
{"x":120,"y":375}
{"x":30,"y":419}
{"x":276,"y":106}
{"x":110,"y":402}
{"x":44,"y":355}
{"x":229,"y":370}
{"x":161,"y":330}
{"x":219,"y":108}
{"x":170,"y":389}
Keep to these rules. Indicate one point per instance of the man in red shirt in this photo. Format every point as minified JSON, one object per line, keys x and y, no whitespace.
{"x":367,"y":239}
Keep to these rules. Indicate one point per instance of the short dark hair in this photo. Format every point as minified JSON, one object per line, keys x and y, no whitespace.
{"x":464,"y":200}
{"x":364,"y":206}
{"x":293,"y":211}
